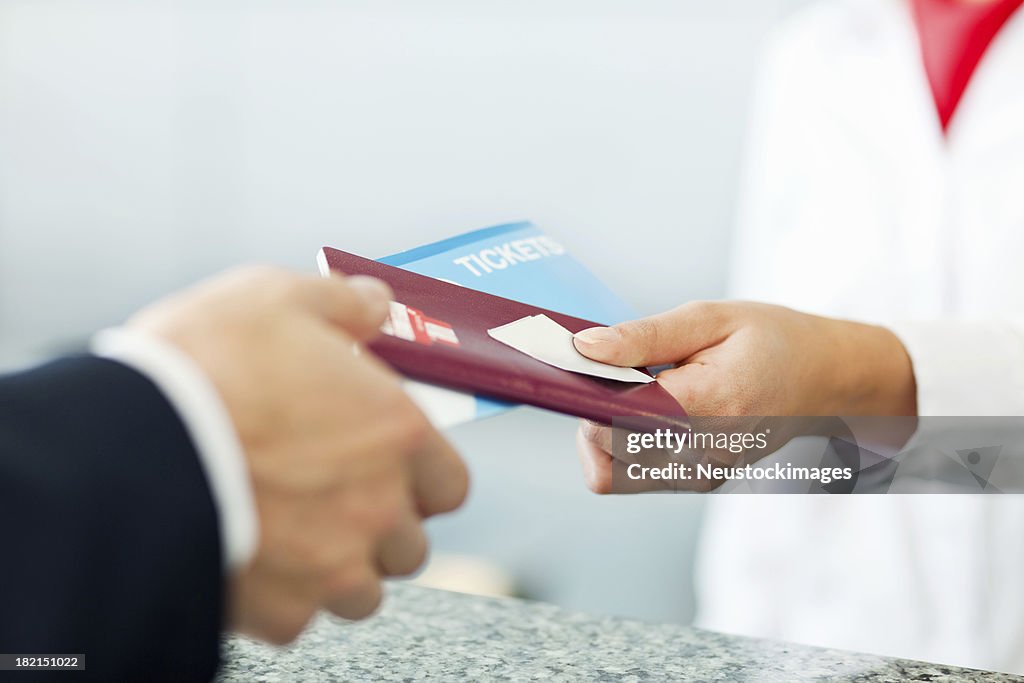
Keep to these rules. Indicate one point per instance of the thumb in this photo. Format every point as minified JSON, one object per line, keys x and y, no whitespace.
{"x":668,"y":337}
{"x":357,"y":304}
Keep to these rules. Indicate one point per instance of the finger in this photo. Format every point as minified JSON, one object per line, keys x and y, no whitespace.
{"x":358,"y":304}
{"x":611,"y":440}
{"x":355,"y":597}
{"x":439,"y":476}
{"x":598,"y":434}
{"x":596,"y":463}
{"x":664,"y":338}
{"x":403,"y":550}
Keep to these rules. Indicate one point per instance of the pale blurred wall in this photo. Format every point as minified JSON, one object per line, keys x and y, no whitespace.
{"x":143,"y":145}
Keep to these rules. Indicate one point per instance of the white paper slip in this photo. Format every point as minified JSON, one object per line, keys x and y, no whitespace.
{"x":540,"y":337}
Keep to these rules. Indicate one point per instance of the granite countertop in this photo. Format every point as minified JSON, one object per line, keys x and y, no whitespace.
{"x":425,"y":634}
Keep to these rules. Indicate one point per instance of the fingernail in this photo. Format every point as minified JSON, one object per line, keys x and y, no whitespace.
{"x":598,"y":335}
{"x":374,"y":293}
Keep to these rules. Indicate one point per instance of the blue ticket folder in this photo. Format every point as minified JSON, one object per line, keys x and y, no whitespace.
{"x":516,"y":261}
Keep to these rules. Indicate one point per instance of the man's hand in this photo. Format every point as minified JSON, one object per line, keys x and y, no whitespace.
{"x":736,"y":359}
{"x":343,"y":466}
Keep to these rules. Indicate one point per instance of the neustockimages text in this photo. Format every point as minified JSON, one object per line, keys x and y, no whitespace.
{"x":663,"y":441}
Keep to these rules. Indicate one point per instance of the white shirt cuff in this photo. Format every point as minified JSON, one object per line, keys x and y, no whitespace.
{"x":208,"y":424}
{"x":966,"y":368}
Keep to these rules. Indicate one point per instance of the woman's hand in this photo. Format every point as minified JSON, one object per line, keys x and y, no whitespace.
{"x":738,"y":359}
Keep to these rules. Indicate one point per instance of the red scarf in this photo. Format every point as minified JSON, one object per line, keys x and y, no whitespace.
{"x":954,"y":36}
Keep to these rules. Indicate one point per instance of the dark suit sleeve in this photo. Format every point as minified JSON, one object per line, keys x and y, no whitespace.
{"x":109,"y":543}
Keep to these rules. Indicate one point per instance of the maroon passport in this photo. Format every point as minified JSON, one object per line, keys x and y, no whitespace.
{"x":446,"y":343}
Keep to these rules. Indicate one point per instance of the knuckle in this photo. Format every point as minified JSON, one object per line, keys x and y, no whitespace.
{"x":287,"y":626}
{"x":356,"y":593}
{"x":410,"y":424}
{"x":388,"y":514}
{"x":460,"y":487}
{"x":702,"y":309}
{"x":420,"y":555}
{"x":592,"y":431}
{"x":367,"y":607}
{"x":643,"y":332}
{"x":451,"y":497}
{"x":350,"y":580}
{"x":413,"y":557}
